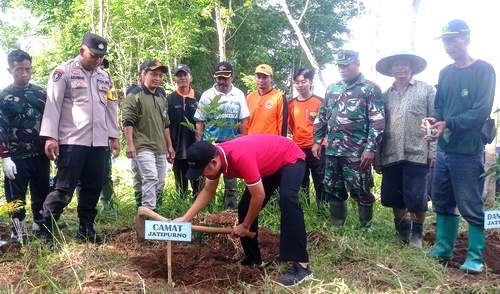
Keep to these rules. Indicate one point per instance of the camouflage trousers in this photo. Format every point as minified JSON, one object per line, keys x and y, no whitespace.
{"x":343,"y":178}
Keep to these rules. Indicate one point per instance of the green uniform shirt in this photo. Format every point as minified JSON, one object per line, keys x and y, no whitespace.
{"x":147,"y":113}
{"x":351,"y":117}
{"x":21,"y":111}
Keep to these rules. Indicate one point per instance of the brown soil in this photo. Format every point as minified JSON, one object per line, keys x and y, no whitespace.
{"x":491,"y":252}
{"x":211,"y":262}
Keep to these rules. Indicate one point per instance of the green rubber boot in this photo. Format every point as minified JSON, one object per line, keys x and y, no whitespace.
{"x":446,"y":234}
{"x":338,"y":213}
{"x":474,"y":262}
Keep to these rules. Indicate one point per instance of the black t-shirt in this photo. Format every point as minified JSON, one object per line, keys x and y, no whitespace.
{"x":180,"y":109}
{"x":464,"y":100}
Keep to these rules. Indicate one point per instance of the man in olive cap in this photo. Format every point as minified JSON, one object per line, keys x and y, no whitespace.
{"x":352,"y":120}
{"x":79,"y":142}
{"x":404,"y":157}
{"x":464,"y":99}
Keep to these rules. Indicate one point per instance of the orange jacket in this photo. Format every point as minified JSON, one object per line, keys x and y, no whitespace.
{"x":268,"y":113}
{"x":301,"y":115}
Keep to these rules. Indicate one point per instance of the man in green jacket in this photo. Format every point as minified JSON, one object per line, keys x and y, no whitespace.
{"x":146,"y":127}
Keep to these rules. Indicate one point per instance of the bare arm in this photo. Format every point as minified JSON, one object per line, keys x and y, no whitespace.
{"x":129,"y":139}
{"x":200,"y":128}
{"x":243,"y":126}
{"x":202,"y":200}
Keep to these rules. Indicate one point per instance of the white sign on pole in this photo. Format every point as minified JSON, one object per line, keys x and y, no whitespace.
{"x":492,"y":219}
{"x":167,"y":231}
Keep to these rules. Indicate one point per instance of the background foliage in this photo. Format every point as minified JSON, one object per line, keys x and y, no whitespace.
{"x":179,"y":31}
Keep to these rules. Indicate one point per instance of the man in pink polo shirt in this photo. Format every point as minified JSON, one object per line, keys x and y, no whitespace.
{"x":265,"y":163}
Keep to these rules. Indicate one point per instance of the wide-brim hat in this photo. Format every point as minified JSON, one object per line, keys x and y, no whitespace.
{"x":417,"y":63}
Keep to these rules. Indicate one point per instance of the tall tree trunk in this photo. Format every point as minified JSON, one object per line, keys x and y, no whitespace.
{"x":413,"y":34}
{"x":221,"y":32}
{"x":302,"y":40}
{"x":101,"y":18}
{"x":165,"y":45}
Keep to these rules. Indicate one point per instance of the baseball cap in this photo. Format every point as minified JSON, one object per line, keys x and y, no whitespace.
{"x":182,"y":67}
{"x":198,"y":156}
{"x":95,"y":43}
{"x":346,"y":56}
{"x":152,"y":65}
{"x":264,"y":69}
{"x":223,"y":69}
{"x":454,"y":28}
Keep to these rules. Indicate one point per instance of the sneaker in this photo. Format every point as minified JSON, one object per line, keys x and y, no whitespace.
{"x":295,"y":275}
{"x":19,"y":232}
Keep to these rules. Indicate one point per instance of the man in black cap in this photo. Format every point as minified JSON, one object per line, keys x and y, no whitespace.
{"x":146,"y":127}
{"x":182,"y":104}
{"x":463,"y":103}
{"x":226,"y":122}
{"x":79,"y":142}
{"x":266,"y":163}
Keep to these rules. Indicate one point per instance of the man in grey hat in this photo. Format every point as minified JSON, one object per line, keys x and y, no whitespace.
{"x":79,"y":122}
{"x":404,"y":157}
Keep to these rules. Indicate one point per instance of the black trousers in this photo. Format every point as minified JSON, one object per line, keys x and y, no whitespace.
{"x":316,"y":168}
{"x":180,"y":168}
{"x":293,"y":239}
{"x":34,"y":172}
{"x":77,"y":164}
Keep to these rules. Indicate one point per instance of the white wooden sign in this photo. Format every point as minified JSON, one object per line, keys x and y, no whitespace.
{"x":492,"y":219}
{"x":167,"y":231}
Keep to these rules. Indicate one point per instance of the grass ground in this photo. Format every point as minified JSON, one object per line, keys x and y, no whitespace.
{"x":352,"y":260}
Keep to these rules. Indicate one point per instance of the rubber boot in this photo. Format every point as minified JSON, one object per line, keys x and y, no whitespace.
{"x":365,"y":214}
{"x":87,"y":234}
{"x":338,"y":213}
{"x":417,"y":230}
{"x":446,"y":234}
{"x":474,"y":262}
{"x":46,"y":234}
{"x":402,"y":230}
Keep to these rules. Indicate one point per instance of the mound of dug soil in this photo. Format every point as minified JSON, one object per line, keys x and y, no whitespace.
{"x":210,"y":263}
{"x":491,"y":252}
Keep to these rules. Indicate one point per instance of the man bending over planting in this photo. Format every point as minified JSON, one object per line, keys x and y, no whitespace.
{"x":265,"y":163}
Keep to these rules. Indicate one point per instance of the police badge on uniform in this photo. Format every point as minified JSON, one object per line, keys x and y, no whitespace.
{"x":56,"y":76}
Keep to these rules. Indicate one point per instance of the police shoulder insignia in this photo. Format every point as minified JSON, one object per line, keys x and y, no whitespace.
{"x":57,"y":75}
{"x":110,"y":96}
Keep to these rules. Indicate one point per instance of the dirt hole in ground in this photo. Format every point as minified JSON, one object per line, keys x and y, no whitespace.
{"x":209,"y":263}
{"x":491,"y":251}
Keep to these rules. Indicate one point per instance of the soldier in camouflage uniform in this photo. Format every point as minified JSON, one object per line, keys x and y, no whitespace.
{"x":352,"y":119}
{"x":21,"y":147}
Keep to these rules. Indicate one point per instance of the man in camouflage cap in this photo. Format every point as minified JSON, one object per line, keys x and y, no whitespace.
{"x":352,"y":120}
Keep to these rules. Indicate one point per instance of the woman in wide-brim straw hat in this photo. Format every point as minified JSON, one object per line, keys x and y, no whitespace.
{"x":405,"y":158}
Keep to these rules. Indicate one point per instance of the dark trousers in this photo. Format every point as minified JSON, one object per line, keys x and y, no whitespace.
{"x":77,"y":163}
{"x":316,"y":168}
{"x":180,"y":168}
{"x":34,"y":172}
{"x":293,"y":239}
{"x":107,"y":188}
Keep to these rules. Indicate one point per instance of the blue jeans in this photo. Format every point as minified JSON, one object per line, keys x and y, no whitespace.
{"x":457,"y":186}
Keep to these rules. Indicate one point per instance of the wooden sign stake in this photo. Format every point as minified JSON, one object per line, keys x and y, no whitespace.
{"x":169,"y":263}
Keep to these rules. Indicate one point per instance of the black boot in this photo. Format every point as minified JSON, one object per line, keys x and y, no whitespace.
{"x":46,"y":233}
{"x":416,"y":234}
{"x":365,"y":214}
{"x":86,"y":234}
{"x":338,"y":213}
{"x":402,"y":230}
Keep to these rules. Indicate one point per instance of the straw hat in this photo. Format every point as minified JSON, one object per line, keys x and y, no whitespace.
{"x":417,"y":63}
